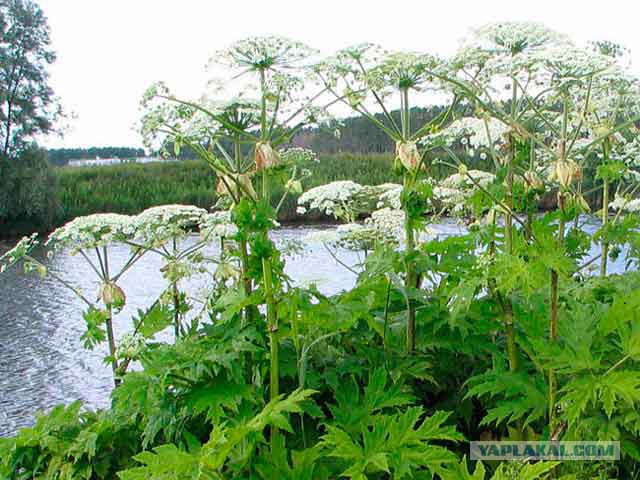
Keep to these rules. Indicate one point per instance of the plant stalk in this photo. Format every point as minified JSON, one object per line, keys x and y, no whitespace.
{"x":605,"y":220}
{"x":409,"y":228}
{"x":553,"y":322}
{"x":110,"y":335}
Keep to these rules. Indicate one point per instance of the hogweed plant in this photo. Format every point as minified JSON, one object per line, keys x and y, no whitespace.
{"x":272,"y":70}
{"x":542,"y":126}
{"x":366,"y":75}
{"x":502,"y":323}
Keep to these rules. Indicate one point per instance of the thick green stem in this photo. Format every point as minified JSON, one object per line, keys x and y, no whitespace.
{"x":411,"y":278}
{"x":267,"y":278}
{"x":272,"y":326}
{"x":553,"y":322}
{"x":510,"y":332}
{"x":605,"y":221}
{"x":410,"y":283}
{"x":509,"y":324}
{"x":176,"y":311}
{"x":110,"y":335}
{"x":176,"y":299}
{"x":112,"y":345}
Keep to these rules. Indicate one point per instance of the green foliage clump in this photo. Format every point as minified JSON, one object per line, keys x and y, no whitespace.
{"x":28,"y":193}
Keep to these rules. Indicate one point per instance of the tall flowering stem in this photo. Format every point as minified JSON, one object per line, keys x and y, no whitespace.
{"x":364,"y":77}
{"x":270,"y":70}
{"x":604,"y":250}
{"x":409,"y":228}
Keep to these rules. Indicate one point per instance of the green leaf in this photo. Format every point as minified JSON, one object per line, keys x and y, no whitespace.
{"x":95,"y":334}
{"x":153,"y":321}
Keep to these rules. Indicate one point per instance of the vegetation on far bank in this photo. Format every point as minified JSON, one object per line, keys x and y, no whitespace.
{"x":131,"y":188}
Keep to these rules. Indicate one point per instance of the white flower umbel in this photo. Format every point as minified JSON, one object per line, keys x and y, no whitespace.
{"x":390,"y":197}
{"x":218,"y":225}
{"x":453,"y":191}
{"x":166,"y":120}
{"x":388,"y":222}
{"x":462,"y":180}
{"x":268,"y":53}
{"x":405,"y":70}
{"x":563,"y":62}
{"x":335,"y":198}
{"x":298,"y":155}
{"x":18,"y":252}
{"x":474,"y":132}
{"x":92,"y":231}
{"x":625,"y":204}
{"x":351,"y":236}
{"x":160,"y":224}
{"x":347,"y":200}
{"x":506,"y":49}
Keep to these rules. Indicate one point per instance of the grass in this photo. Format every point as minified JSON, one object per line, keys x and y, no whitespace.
{"x":131,"y":188}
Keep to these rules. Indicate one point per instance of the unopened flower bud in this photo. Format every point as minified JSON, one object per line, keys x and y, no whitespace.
{"x":408,"y":154}
{"x":266,"y":156}
{"x":566,"y":171}
{"x":112,"y":294}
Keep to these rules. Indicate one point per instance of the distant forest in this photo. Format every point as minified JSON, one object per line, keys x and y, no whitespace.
{"x":61,"y":156}
{"x":356,"y":135}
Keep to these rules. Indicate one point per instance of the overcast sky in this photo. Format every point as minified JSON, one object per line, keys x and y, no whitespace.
{"x":109,"y":52}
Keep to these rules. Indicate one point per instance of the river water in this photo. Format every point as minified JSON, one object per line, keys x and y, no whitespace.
{"x":42,"y":360}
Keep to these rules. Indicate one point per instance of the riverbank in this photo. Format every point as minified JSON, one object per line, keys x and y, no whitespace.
{"x":131,"y":188}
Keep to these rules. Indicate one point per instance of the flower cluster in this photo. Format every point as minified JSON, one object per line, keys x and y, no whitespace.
{"x":335,"y":198}
{"x":571,"y":62}
{"x":474,"y":132}
{"x":350,"y":236}
{"x":402,"y":70}
{"x":390,"y":196}
{"x":263,"y":53}
{"x":388,"y":222}
{"x":625,"y":204}
{"x":18,"y":252}
{"x":159,"y":224}
{"x":298,"y":155}
{"x":347,"y":200}
{"x":351,"y":65}
{"x":508,"y":48}
{"x":218,"y":225}
{"x":92,"y":231}
{"x":167,"y":120}
{"x":468,"y":179}
{"x":453,"y":191}
{"x":513,"y":38}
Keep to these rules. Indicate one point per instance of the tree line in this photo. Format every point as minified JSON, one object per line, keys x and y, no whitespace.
{"x":62,"y":156}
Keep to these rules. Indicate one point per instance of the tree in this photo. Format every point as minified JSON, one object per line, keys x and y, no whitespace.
{"x":28,"y":106}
